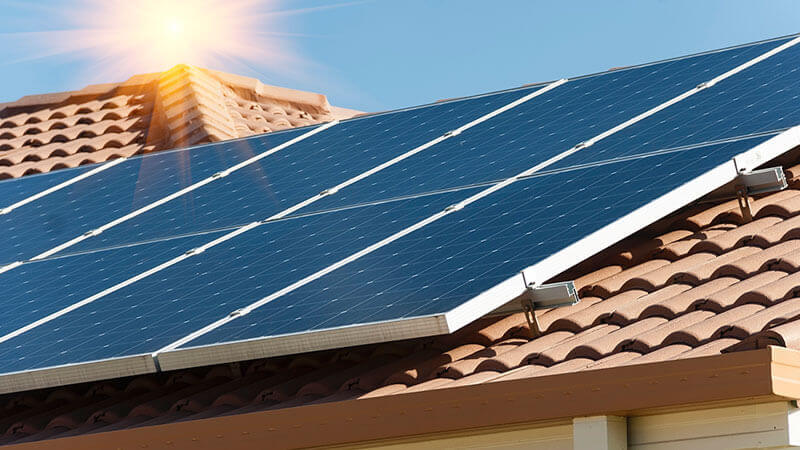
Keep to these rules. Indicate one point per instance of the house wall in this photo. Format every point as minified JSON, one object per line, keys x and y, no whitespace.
{"x":764,"y":425}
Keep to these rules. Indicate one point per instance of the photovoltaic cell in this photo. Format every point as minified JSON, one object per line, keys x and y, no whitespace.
{"x":546,"y":126}
{"x":158,"y":310}
{"x":35,"y":290}
{"x":17,"y":189}
{"x":105,"y":196}
{"x":448,"y":262}
{"x":302,"y":170}
{"x":763,"y":98}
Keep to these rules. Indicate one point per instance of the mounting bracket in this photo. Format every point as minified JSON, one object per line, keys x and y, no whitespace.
{"x":546,"y":296}
{"x":747,"y":184}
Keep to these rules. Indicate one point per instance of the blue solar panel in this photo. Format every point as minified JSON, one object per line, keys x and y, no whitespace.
{"x":448,"y":262}
{"x":16,"y":189}
{"x":762,"y":98}
{"x":546,"y":126}
{"x":103,"y":197}
{"x":500,"y":147}
{"x":176,"y":301}
{"x":304,"y":169}
{"x":35,"y":290}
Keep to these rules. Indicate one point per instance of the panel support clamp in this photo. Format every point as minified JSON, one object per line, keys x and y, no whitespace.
{"x":546,"y":296}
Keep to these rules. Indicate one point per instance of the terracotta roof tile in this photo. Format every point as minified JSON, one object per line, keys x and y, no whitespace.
{"x":182,"y":106}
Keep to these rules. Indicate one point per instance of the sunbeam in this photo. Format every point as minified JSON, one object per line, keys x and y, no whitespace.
{"x":118,"y":38}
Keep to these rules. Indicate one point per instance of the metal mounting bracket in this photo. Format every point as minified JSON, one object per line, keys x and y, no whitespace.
{"x":747,"y":184}
{"x":547,"y":296}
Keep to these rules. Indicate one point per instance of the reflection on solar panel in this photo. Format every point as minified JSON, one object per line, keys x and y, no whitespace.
{"x":396,"y":225}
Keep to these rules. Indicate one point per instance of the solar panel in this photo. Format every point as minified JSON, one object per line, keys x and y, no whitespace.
{"x":431,"y":241}
{"x":256,"y":191}
{"x":440,"y":268}
{"x":17,"y":190}
{"x":554,"y":120}
{"x":105,"y":196}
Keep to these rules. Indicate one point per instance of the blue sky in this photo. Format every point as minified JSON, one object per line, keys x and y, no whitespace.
{"x":386,"y":54}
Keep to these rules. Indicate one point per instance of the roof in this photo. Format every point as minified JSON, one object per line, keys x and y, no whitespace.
{"x":183,"y":106}
{"x":701,"y":283}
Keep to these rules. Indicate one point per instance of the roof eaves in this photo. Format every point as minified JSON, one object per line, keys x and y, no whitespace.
{"x":756,"y":376}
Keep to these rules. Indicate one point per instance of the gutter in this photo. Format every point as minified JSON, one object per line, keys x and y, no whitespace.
{"x":758,"y":376}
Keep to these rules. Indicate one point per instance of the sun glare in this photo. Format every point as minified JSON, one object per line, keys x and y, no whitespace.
{"x":119,"y":38}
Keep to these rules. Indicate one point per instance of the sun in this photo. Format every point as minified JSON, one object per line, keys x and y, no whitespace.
{"x":119,"y":38}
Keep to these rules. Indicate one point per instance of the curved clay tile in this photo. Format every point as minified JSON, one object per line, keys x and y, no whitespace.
{"x":700,"y":332}
{"x":759,"y":261}
{"x":679,"y":249}
{"x":783,"y":204}
{"x":467,"y":366}
{"x":785,"y":335}
{"x":558,"y":352}
{"x":731,"y":260}
{"x":683,"y":302}
{"x":662,"y":354}
{"x":650,"y":340}
{"x":506,"y":327}
{"x":607,"y":344}
{"x":710,"y":348}
{"x":786,"y":262}
{"x":614,"y":360}
{"x":766,"y":294}
{"x":747,"y":234}
{"x":769,"y":317}
{"x":781,"y":231}
{"x":586,"y":281}
{"x":707,"y":216}
{"x":632,"y":311}
{"x":741,"y":291}
{"x":593,"y":314}
{"x":611,"y":285}
{"x":523,"y":354}
{"x":547,"y":318}
{"x":654,"y":279}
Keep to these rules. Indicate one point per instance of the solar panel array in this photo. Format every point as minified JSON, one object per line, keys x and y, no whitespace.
{"x":380,"y":227}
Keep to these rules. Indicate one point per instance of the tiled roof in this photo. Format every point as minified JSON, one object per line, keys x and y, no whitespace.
{"x":701,"y":282}
{"x":180,"y":107}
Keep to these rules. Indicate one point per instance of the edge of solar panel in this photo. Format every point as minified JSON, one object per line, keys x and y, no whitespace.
{"x":449,"y":100}
{"x":412,"y":327}
{"x":495,"y":297}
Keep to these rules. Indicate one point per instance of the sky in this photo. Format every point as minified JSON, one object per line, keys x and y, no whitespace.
{"x":382,"y":54}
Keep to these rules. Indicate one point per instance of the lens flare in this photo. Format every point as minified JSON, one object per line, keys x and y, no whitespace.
{"x":119,"y":38}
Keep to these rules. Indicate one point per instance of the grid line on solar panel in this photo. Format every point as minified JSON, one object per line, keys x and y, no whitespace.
{"x":460,"y":205}
{"x":284,"y":250}
{"x":127,"y":232}
{"x":302,"y":214}
{"x":63,"y":178}
{"x":174,"y":195}
{"x":444,"y":124}
{"x":526,"y":175}
{"x":761,"y":99}
{"x":562,"y":119}
{"x":215,"y":214}
{"x":477,"y":249}
{"x":125,"y":333}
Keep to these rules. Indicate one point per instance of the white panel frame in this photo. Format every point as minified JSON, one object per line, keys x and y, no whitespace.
{"x":77,"y":373}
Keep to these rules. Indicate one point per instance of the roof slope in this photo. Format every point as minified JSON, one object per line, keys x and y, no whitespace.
{"x":709,"y":284}
{"x":180,"y":107}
